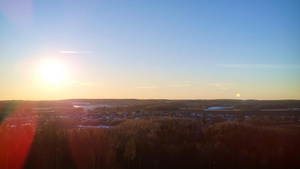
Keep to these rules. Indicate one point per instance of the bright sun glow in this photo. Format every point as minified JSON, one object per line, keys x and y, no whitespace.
{"x":238,"y":95}
{"x":52,"y":72}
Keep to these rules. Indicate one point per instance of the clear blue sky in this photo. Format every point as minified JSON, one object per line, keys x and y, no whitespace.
{"x":151,"y":49}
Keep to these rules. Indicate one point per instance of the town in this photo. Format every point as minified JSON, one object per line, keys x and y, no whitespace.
{"x":83,"y":114}
{"x":149,"y":134}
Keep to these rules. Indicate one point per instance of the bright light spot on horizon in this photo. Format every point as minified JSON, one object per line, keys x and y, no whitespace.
{"x":238,"y":95}
{"x":52,"y":72}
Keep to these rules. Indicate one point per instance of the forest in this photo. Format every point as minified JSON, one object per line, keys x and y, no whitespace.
{"x":46,"y":140}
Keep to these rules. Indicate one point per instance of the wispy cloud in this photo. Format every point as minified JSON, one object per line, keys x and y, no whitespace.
{"x":74,"y":52}
{"x":223,"y":86}
{"x":259,"y":66}
{"x":147,"y":87}
{"x":219,"y":85}
{"x":68,"y":52}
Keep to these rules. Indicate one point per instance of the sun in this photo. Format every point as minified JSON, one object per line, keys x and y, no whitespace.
{"x":52,"y":72}
{"x":238,"y":95}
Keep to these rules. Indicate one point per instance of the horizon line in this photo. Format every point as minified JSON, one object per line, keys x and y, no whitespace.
{"x":146,"y":99}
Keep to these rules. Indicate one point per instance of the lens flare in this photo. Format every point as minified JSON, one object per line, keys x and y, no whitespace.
{"x":16,"y":137}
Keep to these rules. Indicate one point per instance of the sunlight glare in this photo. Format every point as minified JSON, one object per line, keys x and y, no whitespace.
{"x":52,"y":72}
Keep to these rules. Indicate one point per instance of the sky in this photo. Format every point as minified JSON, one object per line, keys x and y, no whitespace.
{"x":149,"y":49}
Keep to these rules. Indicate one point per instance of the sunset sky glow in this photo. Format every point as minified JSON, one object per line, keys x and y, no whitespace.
{"x":153,"y":49}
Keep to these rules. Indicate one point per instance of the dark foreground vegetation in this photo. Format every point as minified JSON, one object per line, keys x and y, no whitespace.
{"x":43,"y":140}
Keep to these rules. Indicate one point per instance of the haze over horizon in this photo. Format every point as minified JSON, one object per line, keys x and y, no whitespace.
{"x":52,"y":50}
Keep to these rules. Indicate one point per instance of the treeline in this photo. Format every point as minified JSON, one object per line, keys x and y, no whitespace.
{"x":156,"y":105}
{"x":168,"y":105}
{"x":23,"y":104}
{"x":49,"y":148}
{"x":183,"y":143}
{"x":150,"y":143}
